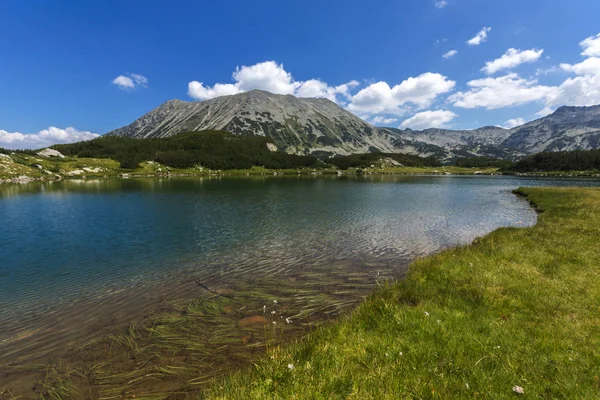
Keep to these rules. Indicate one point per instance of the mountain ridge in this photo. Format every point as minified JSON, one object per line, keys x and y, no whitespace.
{"x":321,"y":127}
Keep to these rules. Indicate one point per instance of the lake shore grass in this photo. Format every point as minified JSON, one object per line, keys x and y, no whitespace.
{"x":518,"y":310}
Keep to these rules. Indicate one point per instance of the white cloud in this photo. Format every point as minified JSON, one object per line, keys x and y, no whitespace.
{"x":591,"y":46}
{"x":579,"y":91}
{"x":267,"y":75}
{"x":429,"y":119}
{"x":197,"y":90}
{"x":510,"y":90}
{"x":382,"y":120}
{"x":44,"y":138}
{"x":544,"y":111}
{"x":440,"y":3}
{"x":589,"y":66}
{"x":130,"y":81}
{"x":503,"y":91}
{"x":450,"y":54}
{"x":420,"y":91}
{"x":317,"y":88}
{"x":511,"y":123}
{"x":272,"y":77}
{"x":123,"y":81}
{"x":480,"y":37}
{"x":511,"y":59}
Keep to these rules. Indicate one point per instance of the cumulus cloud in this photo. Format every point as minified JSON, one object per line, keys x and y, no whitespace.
{"x":268,"y":76}
{"x":272,"y":77}
{"x":420,"y":91}
{"x":429,"y":119}
{"x":511,"y":123}
{"x":578,"y":91}
{"x":382,"y":120}
{"x":44,"y":138}
{"x":590,"y":66}
{"x":591,"y":46}
{"x":130,"y":81}
{"x":583,"y":89}
{"x":504,"y":91}
{"x":317,"y":88}
{"x":511,"y":59}
{"x":480,"y":37}
{"x":450,"y":54}
{"x":440,"y":3}
{"x":197,"y":90}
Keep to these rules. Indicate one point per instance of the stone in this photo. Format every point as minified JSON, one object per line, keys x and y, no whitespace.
{"x":252,"y":320}
{"x":50,"y":153}
{"x":271,"y":147}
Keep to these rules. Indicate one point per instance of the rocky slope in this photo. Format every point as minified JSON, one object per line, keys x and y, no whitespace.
{"x":296,"y":125}
{"x":302,"y":126}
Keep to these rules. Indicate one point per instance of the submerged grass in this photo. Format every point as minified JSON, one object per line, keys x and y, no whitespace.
{"x":518,"y":310}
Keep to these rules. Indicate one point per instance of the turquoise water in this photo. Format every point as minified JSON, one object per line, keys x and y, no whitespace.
{"x":65,"y":242}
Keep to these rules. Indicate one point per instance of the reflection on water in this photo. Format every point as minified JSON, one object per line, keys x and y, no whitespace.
{"x":78,"y":256}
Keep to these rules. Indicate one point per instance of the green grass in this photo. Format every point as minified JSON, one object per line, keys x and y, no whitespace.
{"x":519,"y":307}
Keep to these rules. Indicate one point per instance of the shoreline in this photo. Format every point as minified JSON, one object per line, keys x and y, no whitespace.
{"x":272,"y":345}
{"x":325,"y":292}
{"x":26,"y":179}
{"x":453,"y":330}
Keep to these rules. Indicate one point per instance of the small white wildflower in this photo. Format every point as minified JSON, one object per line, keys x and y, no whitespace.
{"x":288,"y":320}
{"x":467,"y":385}
{"x":387,"y":355}
{"x":518,"y":390}
{"x":426,"y":314}
{"x":497,"y":347}
{"x":439,"y":322}
{"x":273,"y":312}
{"x":264,"y":308}
{"x":290,"y":366}
{"x":275,"y":301}
{"x":274,"y":323}
{"x":400,"y":353}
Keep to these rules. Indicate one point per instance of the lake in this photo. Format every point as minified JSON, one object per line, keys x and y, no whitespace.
{"x":81,"y":257}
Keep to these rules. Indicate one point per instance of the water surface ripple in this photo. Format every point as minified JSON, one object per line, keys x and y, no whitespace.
{"x":81,"y":252}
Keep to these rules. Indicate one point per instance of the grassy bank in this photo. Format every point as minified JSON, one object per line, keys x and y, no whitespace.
{"x":519,"y":307}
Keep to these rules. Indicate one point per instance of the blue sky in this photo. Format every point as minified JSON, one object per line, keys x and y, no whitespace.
{"x":72,"y":69}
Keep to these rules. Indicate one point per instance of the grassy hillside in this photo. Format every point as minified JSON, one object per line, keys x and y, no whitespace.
{"x":517,"y":310}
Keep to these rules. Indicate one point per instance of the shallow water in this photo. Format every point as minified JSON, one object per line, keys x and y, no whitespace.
{"x":80,"y":256}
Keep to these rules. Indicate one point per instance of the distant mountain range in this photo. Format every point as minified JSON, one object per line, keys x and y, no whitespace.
{"x":321,"y":127}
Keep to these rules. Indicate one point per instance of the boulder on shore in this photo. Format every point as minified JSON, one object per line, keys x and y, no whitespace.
{"x":50,"y":153}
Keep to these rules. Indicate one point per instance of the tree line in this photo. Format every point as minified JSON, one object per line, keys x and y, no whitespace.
{"x":210,"y":149}
{"x":577,"y":160}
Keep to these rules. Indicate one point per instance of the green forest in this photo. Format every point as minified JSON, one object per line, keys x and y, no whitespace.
{"x":578,"y":160}
{"x":481,"y":162}
{"x":210,"y":149}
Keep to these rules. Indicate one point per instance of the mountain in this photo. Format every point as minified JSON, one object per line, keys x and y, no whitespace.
{"x":296,"y":125}
{"x":321,"y":127}
{"x":568,"y":128}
